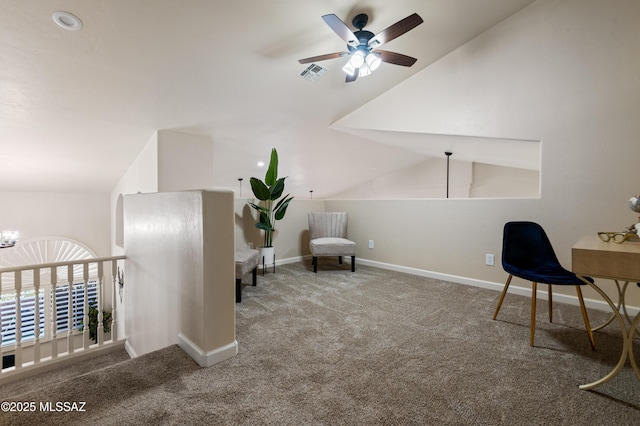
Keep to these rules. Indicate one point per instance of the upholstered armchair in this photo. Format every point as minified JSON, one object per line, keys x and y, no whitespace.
{"x":329,"y":237}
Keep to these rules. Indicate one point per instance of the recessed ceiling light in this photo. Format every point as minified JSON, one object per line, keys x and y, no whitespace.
{"x":67,"y":20}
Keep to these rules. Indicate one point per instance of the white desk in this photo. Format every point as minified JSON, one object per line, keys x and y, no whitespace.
{"x":592,"y":257}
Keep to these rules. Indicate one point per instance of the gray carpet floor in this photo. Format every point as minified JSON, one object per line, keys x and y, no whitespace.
{"x":372,"y":347}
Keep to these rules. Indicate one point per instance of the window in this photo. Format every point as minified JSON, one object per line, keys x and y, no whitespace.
{"x":38,"y":251}
{"x":77,"y":296}
{"x":27,"y":309}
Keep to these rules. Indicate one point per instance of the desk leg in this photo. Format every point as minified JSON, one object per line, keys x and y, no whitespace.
{"x":625,"y":340}
{"x":624,"y":307}
{"x":620,"y":303}
{"x":632,"y":331}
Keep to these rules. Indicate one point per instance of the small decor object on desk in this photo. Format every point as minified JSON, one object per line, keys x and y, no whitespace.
{"x":272,"y":206}
{"x":634,"y":203}
{"x":632,"y":233}
{"x":616,"y":237}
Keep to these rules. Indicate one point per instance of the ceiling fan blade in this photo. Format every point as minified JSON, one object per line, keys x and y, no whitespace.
{"x":341,"y":29}
{"x":395,"y":58}
{"x":396,"y":30}
{"x":353,"y":77}
{"x":323,"y":57}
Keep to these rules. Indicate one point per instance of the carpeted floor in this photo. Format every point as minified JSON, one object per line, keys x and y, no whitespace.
{"x":372,"y":347}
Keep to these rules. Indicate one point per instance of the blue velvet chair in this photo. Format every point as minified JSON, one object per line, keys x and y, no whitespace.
{"x":527,"y":253}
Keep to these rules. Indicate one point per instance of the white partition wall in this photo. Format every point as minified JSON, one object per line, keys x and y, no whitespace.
{"x":180,"y":273}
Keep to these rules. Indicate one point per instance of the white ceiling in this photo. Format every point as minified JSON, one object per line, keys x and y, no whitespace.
{"x":76,"y":107}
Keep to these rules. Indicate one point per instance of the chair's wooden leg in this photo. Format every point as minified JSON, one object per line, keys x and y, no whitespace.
{"x":353,"y":263}
{"x":534,"y":294}
{"x":504,"y":292}
{"x":314,"y":261}
{"x":586,"y":318}
{"x":254,"y":276}
{"x":238,"y":290}
{"x":550,"y":304}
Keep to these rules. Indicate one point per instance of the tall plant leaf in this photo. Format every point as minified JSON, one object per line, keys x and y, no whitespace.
{"x":277,"y":189}
{"x":261,"y":210}
{"x":272,"y":172}
{"x":260,"y":190}
{"x":281,"y":208}
{"x":264,"y":227}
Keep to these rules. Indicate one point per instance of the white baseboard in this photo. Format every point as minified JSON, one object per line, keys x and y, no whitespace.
{"x":563,"y":298}
{"x":207,"y":359}
{"x":285,"y":261}
{"x":132,"y":353}
{"x":522,"y":291}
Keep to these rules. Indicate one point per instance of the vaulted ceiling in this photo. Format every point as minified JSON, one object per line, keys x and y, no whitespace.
{"x":76,"y":107}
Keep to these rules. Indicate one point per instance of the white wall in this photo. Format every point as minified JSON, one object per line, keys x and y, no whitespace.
{"x":427,"y":179}
{"x":81,"y":217}
{"x":141,"y":176}
{"x":179,"y":248}
{"x":169,"y":161}
{"x":184,"y":161}
{"x":564,"y":72}
{"x":491,"y":181}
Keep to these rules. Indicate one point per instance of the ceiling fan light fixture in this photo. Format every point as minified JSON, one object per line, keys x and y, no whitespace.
{"x":357,"y":59}
{"x":373,"y":61}
{"x":348,"y":68}
{"x":362,"y":61}
{"x":364,"y":70}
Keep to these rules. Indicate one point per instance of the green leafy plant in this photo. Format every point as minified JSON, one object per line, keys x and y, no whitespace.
{"x":269,"y":192}
{"x":107,"y":319}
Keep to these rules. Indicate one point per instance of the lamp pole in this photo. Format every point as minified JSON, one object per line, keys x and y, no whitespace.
{"x":448,"y":154}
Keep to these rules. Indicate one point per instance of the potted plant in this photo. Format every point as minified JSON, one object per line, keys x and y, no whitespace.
{"x":273,"y":206}
{"x":93,"y":321}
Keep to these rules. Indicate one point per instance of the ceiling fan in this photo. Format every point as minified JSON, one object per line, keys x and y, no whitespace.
{"x":362,"y":45}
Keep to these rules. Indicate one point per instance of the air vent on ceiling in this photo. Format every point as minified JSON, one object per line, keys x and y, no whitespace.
{"x":313,"y":72}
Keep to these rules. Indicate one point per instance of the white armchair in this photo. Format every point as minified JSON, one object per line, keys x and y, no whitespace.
{"x":329,"y":237}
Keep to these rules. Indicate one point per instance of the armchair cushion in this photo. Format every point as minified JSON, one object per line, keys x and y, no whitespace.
{"x":332,"y":246}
